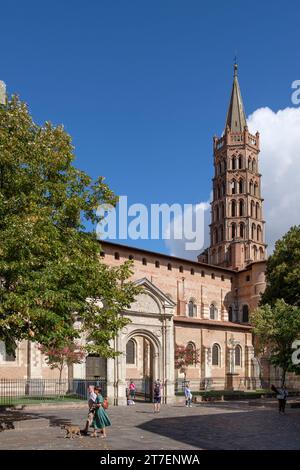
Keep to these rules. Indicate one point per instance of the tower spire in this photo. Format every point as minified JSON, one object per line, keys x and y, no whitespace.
{"x":236,"y":118}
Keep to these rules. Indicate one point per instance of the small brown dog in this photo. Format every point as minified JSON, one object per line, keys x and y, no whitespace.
{"x":71,"y":430}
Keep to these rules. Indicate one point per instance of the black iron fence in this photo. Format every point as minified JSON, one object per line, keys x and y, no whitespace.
{"x":236,"y":383}
{"x":26,"y":391}
{"x":143,"y":389}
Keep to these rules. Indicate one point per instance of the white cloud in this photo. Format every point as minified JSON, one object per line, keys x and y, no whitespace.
{"x":279,"y":165}
{"x":280,"y":168}
{"x":178,"y":246}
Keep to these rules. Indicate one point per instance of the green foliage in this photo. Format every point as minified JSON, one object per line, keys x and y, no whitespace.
{"x":283,"y":270}
{"x":276,"y":327}
{"x":49,"y":264}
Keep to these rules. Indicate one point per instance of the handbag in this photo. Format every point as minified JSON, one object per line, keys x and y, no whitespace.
{"x":105,"y":403}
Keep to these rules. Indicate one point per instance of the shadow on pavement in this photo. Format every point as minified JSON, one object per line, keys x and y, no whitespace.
{"x":251,"y":430}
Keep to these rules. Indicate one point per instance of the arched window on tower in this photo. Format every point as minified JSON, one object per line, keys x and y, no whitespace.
{"x":221,"y":233}
{"x":224,"y":189}
{"x":216,"y":355}
{"x":213,"y":312}
{"x":245,"y":313}
{"x":233,"y":231}
{"x":233,"y":163}
{"x":261,"y":254}
{"x":253,"y":231}
{"x":230,"y":313}
{"x":257,"y":214}
{"x":130,"y":352}
{"x":241,"y":208}
{"x":251,"y":187}
{"x":259,"y":233}
{"x":255,"y":189}
{"x":254,"y":250}
{"x":233,"y":187}
{"x":252,"y":206}
{"x":233,"y":208}
{"x":240,"y":162}
{"x":242,"y":230}
{"x":241,"y":186}
{"x":249,"y":164}
{"x":238,"y":355}
{"x":253,"y":165}
{"x":218,"y":214}
{"x":220,"y":168}
{"x":215,"y":236}
{"x":222,"y":211}
{"x":219,"y":192}
{"x":192,"y":308}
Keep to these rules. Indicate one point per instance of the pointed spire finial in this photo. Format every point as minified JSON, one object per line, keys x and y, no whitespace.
{"x":236,"y":118}
{"x":235,"y":67}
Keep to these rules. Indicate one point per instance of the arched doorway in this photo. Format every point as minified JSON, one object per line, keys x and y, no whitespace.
{"x":141,"y":364}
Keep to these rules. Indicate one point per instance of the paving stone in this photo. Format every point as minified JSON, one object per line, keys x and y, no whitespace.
{"x":204,"y":426}
{"x":30,"y":424}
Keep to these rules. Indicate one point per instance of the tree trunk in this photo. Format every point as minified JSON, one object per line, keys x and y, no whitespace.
{"x":59,"y":380}
{"x":283,"y":377}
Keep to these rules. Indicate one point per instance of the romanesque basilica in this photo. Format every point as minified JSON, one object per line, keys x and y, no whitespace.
{"x":203,"y":304}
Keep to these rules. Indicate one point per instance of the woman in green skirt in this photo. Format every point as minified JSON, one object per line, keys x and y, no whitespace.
{"x":101,"y":420}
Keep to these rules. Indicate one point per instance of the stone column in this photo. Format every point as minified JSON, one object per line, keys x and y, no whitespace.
{"x":34,"y":361}
{"x":169,"y":361}
{"x":111,"y":381}
{"x":120,"y":368}
{"x":231,"y":360}
{"x":206,"y":364}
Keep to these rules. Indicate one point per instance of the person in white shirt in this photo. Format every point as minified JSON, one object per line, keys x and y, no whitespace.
{"x":91,"y":402}
{"x":188,"y":396}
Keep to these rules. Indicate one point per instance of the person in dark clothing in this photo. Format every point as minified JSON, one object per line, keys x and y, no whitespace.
{"x":157,"y":396}
{"x":282,"y":397}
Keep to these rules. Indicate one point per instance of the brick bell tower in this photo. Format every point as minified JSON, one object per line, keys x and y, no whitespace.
{"x":237,"y":225}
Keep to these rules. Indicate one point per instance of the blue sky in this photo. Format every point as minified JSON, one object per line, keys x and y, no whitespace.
{"x":142,"y":86}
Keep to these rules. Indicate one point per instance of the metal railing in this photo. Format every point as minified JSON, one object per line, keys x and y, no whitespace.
{"x":235,"y":383}
{"x":25,"y":391}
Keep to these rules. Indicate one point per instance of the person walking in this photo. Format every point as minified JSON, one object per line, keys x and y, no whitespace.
{"x":101,"y":420}
{"x":282,"y":398}
{"x":188,"y":396}
{"x":132,"y":390}
{"x":91,"y":404}
{"x":157,"y":390}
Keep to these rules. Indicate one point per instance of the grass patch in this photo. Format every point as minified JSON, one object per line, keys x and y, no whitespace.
{"x":27,"y":400}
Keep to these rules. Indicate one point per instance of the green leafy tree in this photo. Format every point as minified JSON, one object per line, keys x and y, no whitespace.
{"x":49,"y":263}
{"x":283,"y":270}
{"x":276,"y":327}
